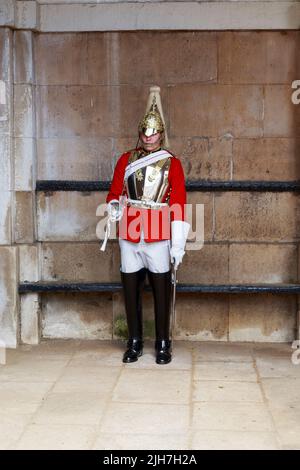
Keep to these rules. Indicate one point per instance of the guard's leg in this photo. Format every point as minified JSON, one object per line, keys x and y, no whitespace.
{"x":132,"y":287}
{"x":161,"y":286}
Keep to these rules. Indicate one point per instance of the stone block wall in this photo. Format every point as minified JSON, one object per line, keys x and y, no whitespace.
{"x":18,"y":235}
{"x":226,"y":97}
{"x":8,"y":252}
{"x":77,"y":100}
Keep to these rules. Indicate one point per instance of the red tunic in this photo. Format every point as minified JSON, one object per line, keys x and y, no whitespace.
{"x":155,"y":222}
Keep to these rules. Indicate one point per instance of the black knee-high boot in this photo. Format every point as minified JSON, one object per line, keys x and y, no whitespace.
{"x":132,"y":288}
{"x":161,"y":286}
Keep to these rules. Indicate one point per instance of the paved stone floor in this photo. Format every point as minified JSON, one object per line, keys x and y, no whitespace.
{"x":79,"y":395}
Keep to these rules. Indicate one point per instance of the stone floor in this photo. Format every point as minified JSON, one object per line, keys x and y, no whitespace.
{"x":79,"y":395}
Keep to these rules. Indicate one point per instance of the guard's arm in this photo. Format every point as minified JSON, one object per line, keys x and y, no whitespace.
{"x":179,"y":226}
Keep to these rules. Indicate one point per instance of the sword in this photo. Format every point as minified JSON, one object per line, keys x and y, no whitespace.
{"x":173,"y":311}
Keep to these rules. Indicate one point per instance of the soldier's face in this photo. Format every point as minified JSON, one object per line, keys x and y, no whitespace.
{"x":152,"y":142}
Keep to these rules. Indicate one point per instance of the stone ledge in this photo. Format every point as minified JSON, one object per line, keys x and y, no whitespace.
{"x":65,"y":16}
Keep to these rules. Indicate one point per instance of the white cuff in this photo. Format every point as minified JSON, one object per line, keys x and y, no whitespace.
{"x":113,"y":200}
{"x":115,"y":211}
{"x":179,"y":231}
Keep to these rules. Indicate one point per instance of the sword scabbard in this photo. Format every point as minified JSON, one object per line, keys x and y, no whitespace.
{"x":173,"y":311}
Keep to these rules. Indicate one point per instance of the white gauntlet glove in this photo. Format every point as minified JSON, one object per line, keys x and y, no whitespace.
{"x":179,"y":231}
{"x":176,"y":255}
{"x":115,"y":212}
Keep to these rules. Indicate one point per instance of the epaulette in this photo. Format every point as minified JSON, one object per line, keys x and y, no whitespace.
{"x":134,"y":155}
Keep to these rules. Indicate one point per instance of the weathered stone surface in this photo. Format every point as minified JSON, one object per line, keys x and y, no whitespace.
{"x":281,"y":116}
{"x":279,"y":364}
{"x":23,"y":57}
{"x":201,"y":317}
{"x":5,"y":107}
{"x":262,"y":317}
{"x":74,"y":111}
{"x":27,"y":14}
{"x":192,"y":15}
{"x":207,"y":266}
{"x":5,"y":162}
{"x":226,"y":361}
{"x":185,"y":57}
{"x":75,"y":159}
{"x":270,"y":56}
{"x":102,"y":58}
{"x":8,"y":297}
{"x":282,"y":393}
{"x":244,"y":216}
{"x":194,"y":198}
{"x":24,"y":163}
{"x":80,"y":59}
{"x":233,"y":417}
{"x":5,"y":48}
{"x":68,"y":215}
{"x":24,"y":222}
{"x":62,"y":62}
{"x":216,"y":110}
{"x":5,"y":217}
{"x":226,"y":391}
{"x":234,"y":440}
{"x":266,"y":159}
{"x":78,"y":262}
{"x":147,"y":417}
{"x":24,"y":131}
{"x":30,"y":319}
{"x":29,"y":263}
{"x":6,"y":88}
{"x":262,"y":263}
{"x":84,"y":316}
{"x":204,"y":158}
{"x":55,"y":436}
{"x":24,"y":111}
{"x":286,"y":420}
{"x":153,"y":387}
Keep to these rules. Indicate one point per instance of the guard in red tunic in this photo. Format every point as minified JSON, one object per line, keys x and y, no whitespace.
{"x":147,"y":196}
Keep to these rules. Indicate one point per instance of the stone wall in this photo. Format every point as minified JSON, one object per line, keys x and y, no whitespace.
{"x":8,"y":252}
{"x":226,"y":97}
{"x":70,"y":104}
{"x":124,"y":15}
{"x":17,"y":201}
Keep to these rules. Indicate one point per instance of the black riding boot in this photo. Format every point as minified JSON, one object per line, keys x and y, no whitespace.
{"x":161,"y":286}
{"x":132,"y":287}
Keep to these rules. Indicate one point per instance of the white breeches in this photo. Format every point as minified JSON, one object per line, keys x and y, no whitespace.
{"x":154,"y":256}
